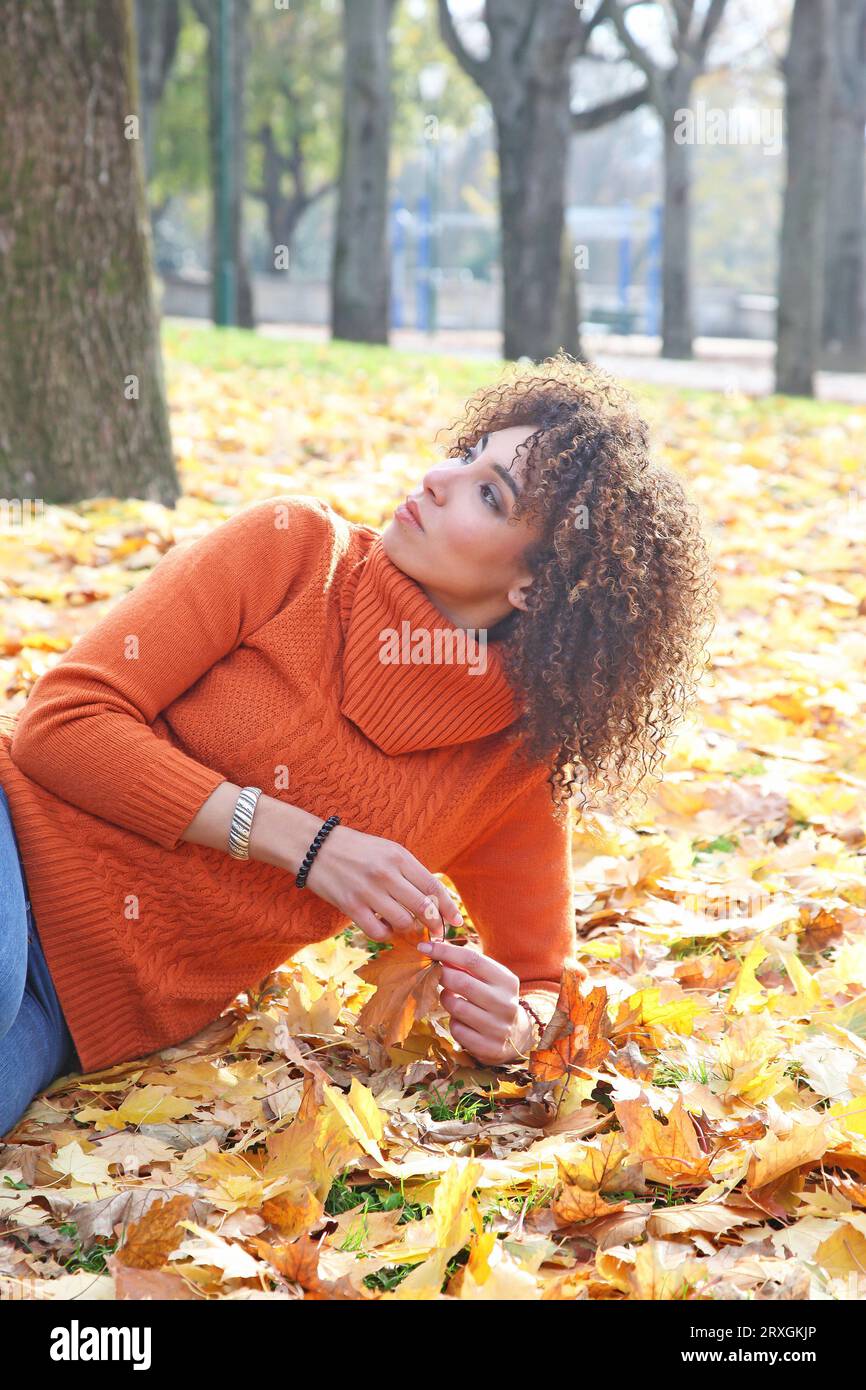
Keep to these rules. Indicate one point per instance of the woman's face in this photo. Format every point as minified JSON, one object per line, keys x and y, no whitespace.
{"x":467,"y":557}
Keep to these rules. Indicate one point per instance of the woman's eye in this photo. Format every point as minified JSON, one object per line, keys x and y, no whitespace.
{"x":465,"y":457}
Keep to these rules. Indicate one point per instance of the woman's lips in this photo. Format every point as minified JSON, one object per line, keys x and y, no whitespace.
{"x":407,"y":516}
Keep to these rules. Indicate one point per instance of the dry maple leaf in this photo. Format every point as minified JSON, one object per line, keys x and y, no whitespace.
{"x":150,"y":1241}
{"x":670,"y":1153}
{"x":298,"y":1262}
{"x":574,"y":1204}
{"x":574,"y":1037}
{"x":293,"y":1213}
{"x":406,"y":990}
{"x":139,"y":1284}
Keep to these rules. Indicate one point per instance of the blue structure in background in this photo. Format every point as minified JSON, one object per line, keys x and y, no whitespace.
{"x":412,"y":245}
{"x":423,"y":282}
{"x":624,"y":272}
{"x":398,"y":257}
{"x":654,"y":273}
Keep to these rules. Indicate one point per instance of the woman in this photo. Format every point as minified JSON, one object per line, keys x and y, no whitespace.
{"x":529,"y":625}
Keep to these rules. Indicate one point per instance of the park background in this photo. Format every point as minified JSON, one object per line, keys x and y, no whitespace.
{"x":249,"y":248}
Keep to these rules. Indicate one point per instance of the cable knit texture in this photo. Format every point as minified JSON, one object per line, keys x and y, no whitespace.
{"x":252,"y":654}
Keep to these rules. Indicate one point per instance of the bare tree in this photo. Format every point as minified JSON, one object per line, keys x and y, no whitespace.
{"x":691,"y":29}
{"x":527,"y":80}
{"x":845,"y":252}
{"x":360,"y":273}
{"x":285,"y":206}
{"x":807,"y":69}
{"x":295,"y":71}
{"x":82,"y":402}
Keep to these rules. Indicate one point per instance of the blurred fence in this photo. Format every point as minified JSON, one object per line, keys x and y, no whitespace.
{"x":617,"y":255}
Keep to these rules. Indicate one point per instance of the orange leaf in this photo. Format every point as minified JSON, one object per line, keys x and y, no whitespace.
{"x":298,"y":1262}
{"x":406,"y":989}
{"x":574,"y":1036}
{"x":670,"y":1153}
{"x":149,"y":1242}
{"x":574,"y":1204}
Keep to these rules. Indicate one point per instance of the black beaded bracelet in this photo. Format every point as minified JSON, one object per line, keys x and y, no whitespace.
{"x":311,"y":853}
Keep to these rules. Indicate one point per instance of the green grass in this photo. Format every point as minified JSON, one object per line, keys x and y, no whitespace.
{"x":344,"y":1197}
{"x":338,"y":363}
{"x":92,"y":1260}
{"x":467,"y":1106}
{"x":332,"y":363}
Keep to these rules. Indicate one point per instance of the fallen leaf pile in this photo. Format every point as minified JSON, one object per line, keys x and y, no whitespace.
{"x":693,"y":1122}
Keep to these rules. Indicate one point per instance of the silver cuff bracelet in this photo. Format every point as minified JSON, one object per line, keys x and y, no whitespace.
{"x":239,"y":830}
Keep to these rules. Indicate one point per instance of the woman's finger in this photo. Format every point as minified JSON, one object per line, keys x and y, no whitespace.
{"x":369,"y":923}
{"x":466,"y":1012}
{"x":415,"y":906}
{"x":471,"y":1040}
{"x":430,"y":887}
{"x":394,"y":913}
{"x":467,"y":958}
{"x":482,"y":995}
{"x":425,"y":909}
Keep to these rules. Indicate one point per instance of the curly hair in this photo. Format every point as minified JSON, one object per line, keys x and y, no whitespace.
{"x":611,"y":645}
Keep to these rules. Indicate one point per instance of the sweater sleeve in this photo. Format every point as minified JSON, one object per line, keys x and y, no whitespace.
{"x":517,"y":883}
{"x":84,"y":732}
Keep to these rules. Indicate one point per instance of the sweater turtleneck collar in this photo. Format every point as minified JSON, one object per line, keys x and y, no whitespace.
{"x":412,"y":679}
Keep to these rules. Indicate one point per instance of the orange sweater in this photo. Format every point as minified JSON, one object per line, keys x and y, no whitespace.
{"x":251,"y":655}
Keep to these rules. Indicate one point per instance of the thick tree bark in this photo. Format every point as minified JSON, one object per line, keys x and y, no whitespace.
{"x":532,"y":136}
{"x":82,"y":401}
{"x":360,"y":270}
{"x":845,"y":248}
{"x":801,"y":260}
{"x":207,"y":11}
{"x":567,"y":319}
{"x":691,"y":31}
{"x":677,"y":324}
{"x":157,"y":27}
{"x":527,"y":79}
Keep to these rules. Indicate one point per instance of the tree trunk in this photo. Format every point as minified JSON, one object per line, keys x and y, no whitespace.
{"x":157,"y":27}
{"x":82,"y":401}
{"x":845,"y":251}
{"x":801,"y":259}
{"x":677,"y":324}
{"x":567,"y":326}
{"x":527,"y":79}
{"x":284,"y":211}
{"x":360,"y":270}
{"x":207,"y":12}
{"x":533,"y":138}
{"x":279,"y":229}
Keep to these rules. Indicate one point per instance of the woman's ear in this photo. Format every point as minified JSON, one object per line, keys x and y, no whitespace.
{"x":518,"y":591}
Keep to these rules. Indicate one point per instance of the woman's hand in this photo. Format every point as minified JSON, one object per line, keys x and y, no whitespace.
{"x":482,"y":998}
{"x":369,"y":878}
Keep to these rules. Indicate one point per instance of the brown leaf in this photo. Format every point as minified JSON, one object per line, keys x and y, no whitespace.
{"x":139,"y":1284}
{"x":670,"y":1153}
{"x":574,"y":1037}
{"x":298,"y":1262}
{"x":150,"y":1241}
{"x":574,"y":1204}
{"x":406,"y":990}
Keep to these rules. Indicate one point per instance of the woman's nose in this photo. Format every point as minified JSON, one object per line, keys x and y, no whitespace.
{"x":435,"y":480}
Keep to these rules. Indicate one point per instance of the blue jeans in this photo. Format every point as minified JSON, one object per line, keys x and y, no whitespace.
{"x":35,"y":1043}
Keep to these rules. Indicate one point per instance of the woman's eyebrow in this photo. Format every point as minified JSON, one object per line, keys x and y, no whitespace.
{"x":506,"y":477}
{"x":497,"y":468}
